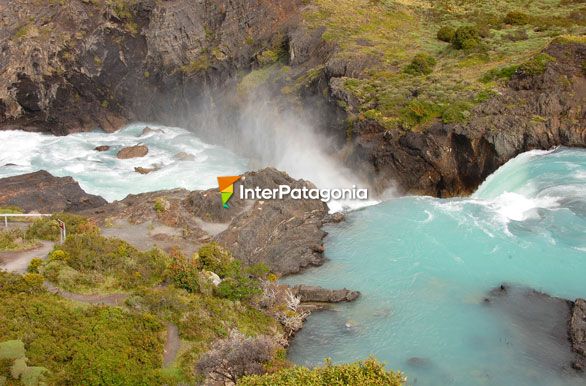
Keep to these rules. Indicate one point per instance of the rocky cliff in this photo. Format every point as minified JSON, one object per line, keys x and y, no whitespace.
{"x":403,"y":105}
{"x":69,"y":66}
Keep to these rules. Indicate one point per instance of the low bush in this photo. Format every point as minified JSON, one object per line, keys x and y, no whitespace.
{"x":446,"y":34}
{"x":15,"y":239}
{"x":516,"y":18}
{"x":368,"y":373}
{"x":422,"y":64}
{"x":499,"y":73}
{"x":466,"y":37}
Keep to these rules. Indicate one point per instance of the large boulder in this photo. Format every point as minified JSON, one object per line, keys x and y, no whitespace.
{"x":136,"y":151}
{"x":42,"y":192}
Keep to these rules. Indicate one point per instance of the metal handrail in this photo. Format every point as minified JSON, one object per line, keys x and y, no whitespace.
{"x":6,"y":215}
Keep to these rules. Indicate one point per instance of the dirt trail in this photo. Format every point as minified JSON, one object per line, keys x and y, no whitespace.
{"x":18,"y":261}
{"x":171,"y":345}
{"x":107,"y":299}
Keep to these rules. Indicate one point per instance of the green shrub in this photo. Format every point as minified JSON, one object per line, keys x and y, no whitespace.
{"x":15,"y":239}
{"x":536,"y":65}
{"x":417,"y":112}
{"x":47,"y":228}
{"x":185,"y":273}
{"x":161,"y":205}
{"x":368,"y":373}
{"x":456,"y":112}
{"x":240,"y":287}
{"x":499,"y":73}
{"x":97,"y":258}
{"x":466,"y":37}
{"x":90,"y":345}
{"x":446,"y":34}
{"x":422,"y":64}
{"x":33,"y":266}
{"x":516,"y":18}
{"x":215,"y":258}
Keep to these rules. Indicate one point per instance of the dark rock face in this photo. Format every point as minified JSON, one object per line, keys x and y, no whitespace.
{"x":577,"y":331}
{"x":286,"y":234}
{"x":551,"y":330}
{"x":133,"y":152}
{"x":44,"y":193}
{"x":83,"y":65}
{"x":533,"y":112}
{"x":309,"y":293}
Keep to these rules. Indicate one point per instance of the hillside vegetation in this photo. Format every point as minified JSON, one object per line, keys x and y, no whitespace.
{"x":407,"y":63}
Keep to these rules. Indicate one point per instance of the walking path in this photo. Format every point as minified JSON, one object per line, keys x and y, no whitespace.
{"x":18,"y":261}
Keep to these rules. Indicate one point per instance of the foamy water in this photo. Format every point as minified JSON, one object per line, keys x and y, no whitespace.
{"x":103,"y":174}
{"x":424,"y":265}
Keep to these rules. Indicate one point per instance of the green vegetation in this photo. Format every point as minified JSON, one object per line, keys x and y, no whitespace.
{"x":87,"y":261}
{"x":466,"y":37}
{"x":367,"y":373}
{"x":16,"y":239}
{"x":536,"y":65}
{"x":202,"y":63}
{"x":382,"y":38}
{"x":78,"y":345}
{"x":13,"y":361}
{"x":161,"y":205}
{"x":422,"y":64}
{"x":446,"y":34}
{"x":47,"y":228}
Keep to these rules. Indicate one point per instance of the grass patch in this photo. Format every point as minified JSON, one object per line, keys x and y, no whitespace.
{"x":16,"y":239}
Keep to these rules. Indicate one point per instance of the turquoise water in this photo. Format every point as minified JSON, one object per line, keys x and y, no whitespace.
{"x":424,"y":265}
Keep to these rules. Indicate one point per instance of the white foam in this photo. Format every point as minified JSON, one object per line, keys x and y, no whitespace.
{"x":112,"y":178}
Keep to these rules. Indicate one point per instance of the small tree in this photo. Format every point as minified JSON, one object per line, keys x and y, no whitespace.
{"x":237,"y":356}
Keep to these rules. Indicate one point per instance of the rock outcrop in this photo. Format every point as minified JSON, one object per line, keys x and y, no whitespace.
{"x":577,"y":331}
{"x":44,"y":193}
{"x":133,"y":152}
{"x":310,"y":293}
{"x":285,"y":234}
{"x":534,"y":112}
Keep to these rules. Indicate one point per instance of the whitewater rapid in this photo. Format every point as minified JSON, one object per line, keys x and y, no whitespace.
{"x":424,"y":266}
{"x":181,"y":160}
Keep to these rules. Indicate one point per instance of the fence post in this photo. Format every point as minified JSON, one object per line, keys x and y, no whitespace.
{"x":5,"y":221}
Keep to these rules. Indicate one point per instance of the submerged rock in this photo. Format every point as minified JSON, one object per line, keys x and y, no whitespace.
{"x":42,"y":192}
{"x":133,"y":152}
{"x":183,"y":156}
{"x":148,"y":130}
{"x":552,"y":330}
{"x":141,"y":170}
{"x":102,"y":148}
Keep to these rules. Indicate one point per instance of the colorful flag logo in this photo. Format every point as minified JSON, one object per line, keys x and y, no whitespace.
{"x":226,"y":185}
